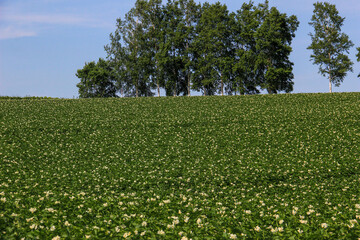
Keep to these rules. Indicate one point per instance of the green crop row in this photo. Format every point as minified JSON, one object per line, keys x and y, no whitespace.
{"x":240,"y":167}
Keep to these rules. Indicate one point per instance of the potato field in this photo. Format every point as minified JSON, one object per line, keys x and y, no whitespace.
{"x":235,"y":167}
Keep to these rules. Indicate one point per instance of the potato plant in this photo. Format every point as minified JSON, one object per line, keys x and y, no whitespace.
{"x":240,"y":167}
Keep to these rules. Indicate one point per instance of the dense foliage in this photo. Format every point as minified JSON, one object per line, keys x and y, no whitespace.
{"x":182,"y":46}
{"x":237,"y":167}
{"x":97,"y":80}
{"x":330,"y":46}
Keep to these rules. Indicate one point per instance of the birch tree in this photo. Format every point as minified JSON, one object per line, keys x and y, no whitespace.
{"x":273,"y":47}
{"x":213,"y":47}
{"x":129,"y":51}
{"x":330,"y":46}
{"x":247,"y":21}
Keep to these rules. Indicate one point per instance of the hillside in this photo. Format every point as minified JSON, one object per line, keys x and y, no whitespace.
{"x":262,"y":166}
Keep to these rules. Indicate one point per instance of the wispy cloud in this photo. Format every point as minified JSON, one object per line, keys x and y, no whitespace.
{"x":12,"y":26}
{"x":46,"y":19}
{"x":19,"y":19}
{"x":11,"y":32}
{"x":52,"y":19}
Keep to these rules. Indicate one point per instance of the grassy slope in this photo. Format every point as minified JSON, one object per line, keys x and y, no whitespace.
{"x":235,"y":163}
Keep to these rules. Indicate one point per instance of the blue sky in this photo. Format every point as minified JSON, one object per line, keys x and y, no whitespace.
{"x":44,"y":42}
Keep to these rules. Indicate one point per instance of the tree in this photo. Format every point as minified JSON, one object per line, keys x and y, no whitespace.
{"x":176,"y":56}
{"x":153,"y":23}
{"x":96,"y":80}
{"x":182,"y":45}
{"x":213,"y":46}
{"x":273,"y":48}
{"x":130,"y":52}
{"x":117,"y":59}
{"x":172,"y":49}
{"x":329,"y":44}
{"x":191,"y":16}
{"x":247,"y":21}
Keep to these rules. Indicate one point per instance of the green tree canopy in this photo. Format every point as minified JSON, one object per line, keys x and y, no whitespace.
{"x":247,"y":21}
{"x":213,"y":47}
{"x":273,"y":47}
{"x":96,"y":80}
{"x":182,"y":46}
{"x":329,"y":44}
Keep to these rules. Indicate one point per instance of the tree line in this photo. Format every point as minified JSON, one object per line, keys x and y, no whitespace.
{"x":182,"y":46}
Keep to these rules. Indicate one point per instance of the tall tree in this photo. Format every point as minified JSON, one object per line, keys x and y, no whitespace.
{"x":176,"y":58}
{"x":118,"y":61}
{"x":153,"y":22}
{"x":130,"y":50}
{"x":247,"y":21}
{"x":273,"y":46}
{"x":213,"y":46}
{"x":172,"y":48}
{"x":329,"y":44}
{"x":191,"y":16}
{"x":96,"y":80}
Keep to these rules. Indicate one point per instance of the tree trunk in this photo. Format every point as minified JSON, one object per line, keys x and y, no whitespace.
{"x":157,"y":78}
{"x":189,"y":87}
{"x":330,"y":86}
{"x":158,"y":88}
{"x":222,"y":86}
{"x":271,"y":91}
{"x":187,"y":48}
{"x":156,"y":62}
{"x":136,"y":48}
{"x":175,"y":83}
{"x":174,"y":90}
